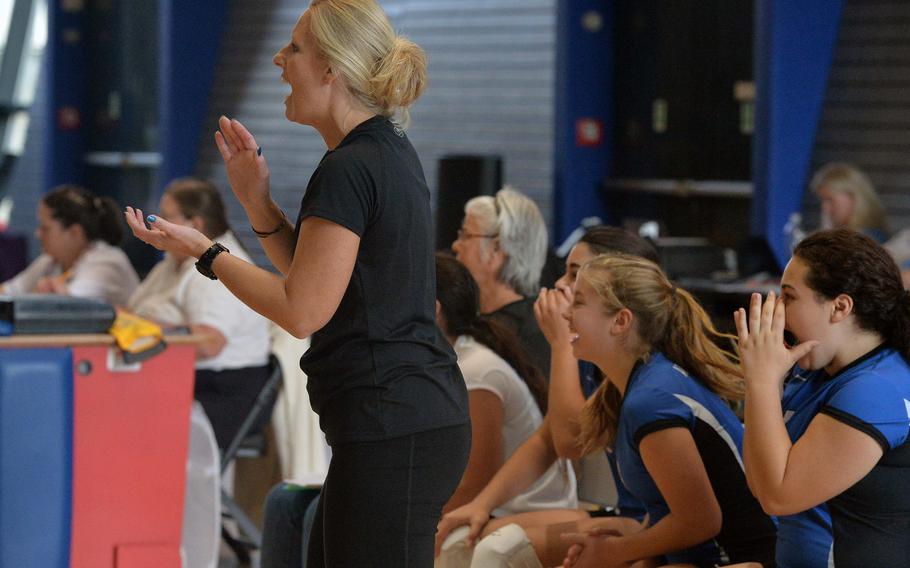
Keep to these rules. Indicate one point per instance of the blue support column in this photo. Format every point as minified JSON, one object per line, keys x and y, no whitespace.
{"x":190,"y":34}
{"x":794,"y":49}
{"x":67,"y":112}
{"x":584,"y":71}
{"x":190,"y":40}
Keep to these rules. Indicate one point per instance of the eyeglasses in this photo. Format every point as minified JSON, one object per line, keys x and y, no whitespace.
{"x":464,"y":235}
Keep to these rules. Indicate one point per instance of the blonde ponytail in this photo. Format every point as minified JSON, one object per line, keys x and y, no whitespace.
{"x":600,"y":417}
{"x":383,"y":71}
{"x":669,"y":320}
{"x":400,"y":78}
{"x":691,"y":341}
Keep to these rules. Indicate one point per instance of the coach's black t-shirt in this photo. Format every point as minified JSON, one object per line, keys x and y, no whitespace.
{"x":380,"y":368}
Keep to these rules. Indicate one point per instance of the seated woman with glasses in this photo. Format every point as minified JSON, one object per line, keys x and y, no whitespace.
{"x":231,"y":364}
{"x":503,"y":243}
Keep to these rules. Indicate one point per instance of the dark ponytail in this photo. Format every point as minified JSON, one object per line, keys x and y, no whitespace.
{"x":843,"y":261}
{"x":99,"y":217}
{"x":459,"y":297}
{"x":899,"y":334}
{"x":605,"y":239}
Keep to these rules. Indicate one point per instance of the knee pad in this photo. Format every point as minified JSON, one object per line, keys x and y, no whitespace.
{"x":455,"y":551}
{"x":507,"y":547}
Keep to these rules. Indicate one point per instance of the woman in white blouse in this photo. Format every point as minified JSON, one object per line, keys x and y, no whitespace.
{"x":79,"y":234}
{"x":231,"y":364}
{"x":507,"y":396}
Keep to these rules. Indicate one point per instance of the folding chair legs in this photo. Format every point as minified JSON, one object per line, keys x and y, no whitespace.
{"x":248,"y":538}
{"x":240,"y":549}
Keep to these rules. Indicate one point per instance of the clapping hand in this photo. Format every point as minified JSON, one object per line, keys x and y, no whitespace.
{"x":594,"y":549}
{"x":167,"y":236}
{"x":549,"y":309}
{"x":765,"y":357}
{"x":247,"y":170}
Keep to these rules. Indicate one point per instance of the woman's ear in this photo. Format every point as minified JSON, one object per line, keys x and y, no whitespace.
{"x":329,"y":76}
{"x":623,"y":321}
{"x":77,"y":233}
{"x":841,"y":308}
{"x":441,"y":318}
{"x":496,"y":256}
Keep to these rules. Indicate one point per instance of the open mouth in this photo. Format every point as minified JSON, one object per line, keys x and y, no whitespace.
{"x":284,"y":80}
{"x":790,"y":340}
{"x":573,"y":334}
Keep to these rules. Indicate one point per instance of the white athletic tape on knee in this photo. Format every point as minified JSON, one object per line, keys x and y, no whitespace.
{"x":507,"y":547}
{"x":455,"y":552}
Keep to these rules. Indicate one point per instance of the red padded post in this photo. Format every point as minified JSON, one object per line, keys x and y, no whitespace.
{"x":130,"y":438}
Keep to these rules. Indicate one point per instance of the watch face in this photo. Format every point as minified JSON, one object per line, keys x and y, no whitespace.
{"x":204,"y":264}
{"x":204,"y":270}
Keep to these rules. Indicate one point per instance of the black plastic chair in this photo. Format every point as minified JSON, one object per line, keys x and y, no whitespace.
{"x":249,"y":442}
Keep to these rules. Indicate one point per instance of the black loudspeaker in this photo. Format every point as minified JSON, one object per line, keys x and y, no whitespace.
{"x":460,"y":178}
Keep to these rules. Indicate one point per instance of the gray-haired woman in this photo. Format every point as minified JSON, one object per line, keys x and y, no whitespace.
{"x":503,"y":243}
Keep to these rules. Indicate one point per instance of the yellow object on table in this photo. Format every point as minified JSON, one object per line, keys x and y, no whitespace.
{"x":136,"y":335}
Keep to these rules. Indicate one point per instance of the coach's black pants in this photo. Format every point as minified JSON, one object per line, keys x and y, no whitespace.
{"x":382,"y":500}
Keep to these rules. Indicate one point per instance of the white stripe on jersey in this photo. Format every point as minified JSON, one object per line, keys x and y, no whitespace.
{"x":705,"y":415}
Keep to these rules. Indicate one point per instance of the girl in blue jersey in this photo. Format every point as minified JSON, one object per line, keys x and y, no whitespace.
{"x":677,"y":442}
{"x":840,"y":435}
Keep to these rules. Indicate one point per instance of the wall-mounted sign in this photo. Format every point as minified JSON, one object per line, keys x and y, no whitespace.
{"x":592,"y":21}
{"x":68,"y":118}
{"x":589,"y":132}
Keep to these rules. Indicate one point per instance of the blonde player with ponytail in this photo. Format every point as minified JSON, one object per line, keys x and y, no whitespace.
{"x":663,"y":408}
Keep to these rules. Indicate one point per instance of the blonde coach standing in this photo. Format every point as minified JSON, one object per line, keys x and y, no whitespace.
{"x":357,"y":274}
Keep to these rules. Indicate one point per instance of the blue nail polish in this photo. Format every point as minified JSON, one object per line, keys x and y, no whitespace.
{"x":259,"y":151}
{"x":151,"y":218}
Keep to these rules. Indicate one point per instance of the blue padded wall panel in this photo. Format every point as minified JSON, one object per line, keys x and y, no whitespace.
{"x":36,"y":400}
{"x":794,"y":49}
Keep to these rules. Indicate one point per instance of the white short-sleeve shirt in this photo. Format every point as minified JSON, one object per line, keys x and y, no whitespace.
{"x":485,"y":370}
{"x":103,"y":271}
{"x":177,"y":294}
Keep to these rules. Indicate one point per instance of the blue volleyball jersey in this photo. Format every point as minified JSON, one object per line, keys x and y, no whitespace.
{"x":871,"y":519}
{"x":626,"y":503}
{"x":804,"y":540}
{"x":661,"y":395}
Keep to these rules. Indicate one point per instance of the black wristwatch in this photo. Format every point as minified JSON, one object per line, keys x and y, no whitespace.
{"x":204,"y":264}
